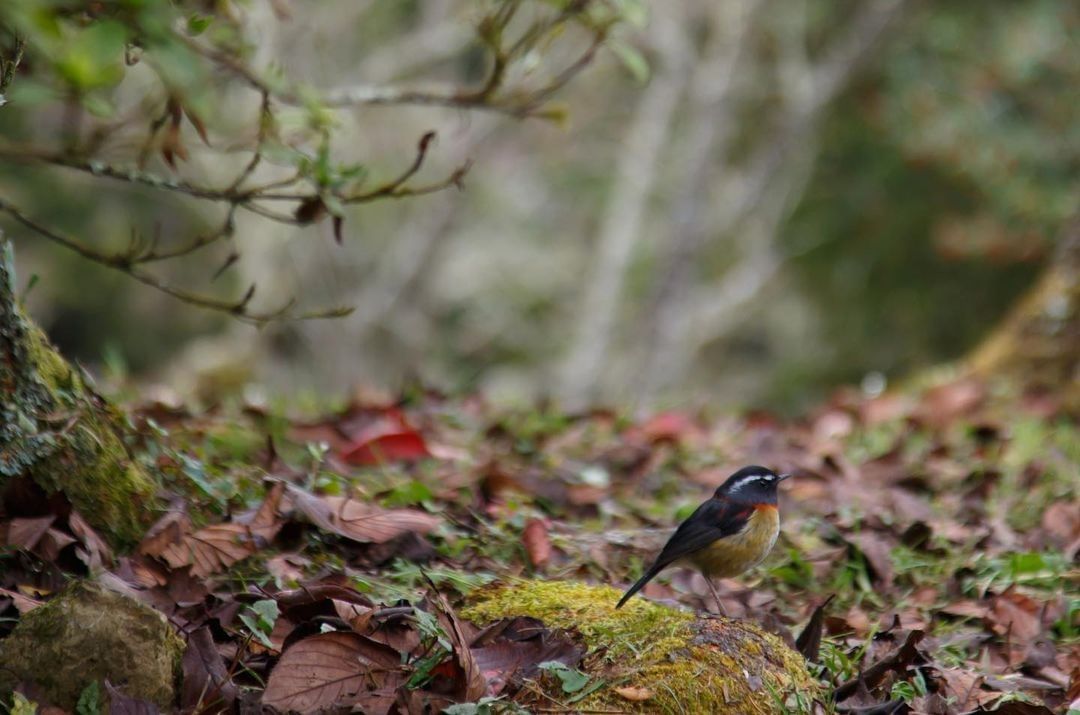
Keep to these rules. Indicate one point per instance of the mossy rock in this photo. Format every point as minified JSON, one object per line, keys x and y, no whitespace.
{"x":58,"y":433}
{"x":87,"y":635}
{"x":662,"y":659}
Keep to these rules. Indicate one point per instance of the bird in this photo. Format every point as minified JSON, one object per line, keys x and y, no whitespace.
{"x":727,"y":535}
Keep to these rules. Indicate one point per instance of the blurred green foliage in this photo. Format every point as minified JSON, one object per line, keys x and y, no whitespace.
{"x":945,"y":177}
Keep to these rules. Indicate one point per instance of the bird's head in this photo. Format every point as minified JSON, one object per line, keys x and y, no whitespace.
{"x":753,"y":485}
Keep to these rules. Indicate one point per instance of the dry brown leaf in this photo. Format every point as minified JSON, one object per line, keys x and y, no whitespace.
{"x":512,"y":650}
{"x":98,"y":553}
{"x":330,"y":670}
{"x":537,"y":542}
{"x":356,"y":615}
{"x":1016,"y":615}
{"x":634,"y":694}
{"x":167,"y":531}
{"x":287,"y":568}
{"x":1062,"y":521}
{"x":964,"y":689}
{"x":51,"y":543}
{"x":24,"y":533}
{"x":360,"y":521}
{"x":23,"y":603}
{"x":472,"y":685}
{"x":207,"y":685}
{"x":876,"y":549}
{"x":219,"y":546}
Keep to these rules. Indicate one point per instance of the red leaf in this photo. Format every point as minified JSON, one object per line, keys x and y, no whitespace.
{"x":396,"y":446}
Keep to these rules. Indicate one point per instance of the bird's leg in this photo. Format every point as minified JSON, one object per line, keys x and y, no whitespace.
{"x":716,"y":596}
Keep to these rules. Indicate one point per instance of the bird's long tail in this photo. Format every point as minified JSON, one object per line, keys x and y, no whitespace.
{"x":648,"y":576}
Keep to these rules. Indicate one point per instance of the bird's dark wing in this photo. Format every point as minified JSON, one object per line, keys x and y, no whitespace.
{"x":713,"y":520}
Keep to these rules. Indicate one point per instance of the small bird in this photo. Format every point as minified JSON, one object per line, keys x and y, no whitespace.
{"x":729,"y":534}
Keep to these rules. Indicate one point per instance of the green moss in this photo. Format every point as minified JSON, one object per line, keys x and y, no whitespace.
{"x":87,"y":635}
{"x":688,"y":664}
{"x":57,"y":432}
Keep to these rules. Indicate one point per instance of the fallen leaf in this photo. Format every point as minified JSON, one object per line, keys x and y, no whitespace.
{"x":963,"y":688}
{"x":24,"y":533}
{"x":167,"y":531}
{"x":510,"y":661}
{"x":207,"y":686}
{"x":634,"y":694}
{"x":900,"y":659}
{"x":219,"y":546}
{"x":330,"y":670}
{"x":1017,"y":616}
{"x":809,"y":641}
{"x":667,"y":426}
{"x":52,"y":543}
{"x":877,"y":552}
{"x":390,"y":439}
{"x":360,"y":521}
{"x":97,"y":552}
{"x":23,"y":604}
{"x":537,"y":542}
{"x":357,"y":616}
{"x":1062,"y":521}
{"x":1016,"y":707}
{"x":121,"y":704}
{"x":942,"y":404}
{"x":471,"y":683}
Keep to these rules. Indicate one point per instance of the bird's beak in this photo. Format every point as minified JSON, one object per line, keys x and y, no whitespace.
{"x":782,"y":477}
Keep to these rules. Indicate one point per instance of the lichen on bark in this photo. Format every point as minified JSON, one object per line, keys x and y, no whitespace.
{"x":57,"y":432}
{"x":677,"y":662}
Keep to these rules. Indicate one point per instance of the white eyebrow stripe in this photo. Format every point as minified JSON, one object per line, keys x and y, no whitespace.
{"x":744,"y":481}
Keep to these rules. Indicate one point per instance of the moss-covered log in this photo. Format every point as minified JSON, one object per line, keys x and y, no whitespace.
{"x":57,"y":432}
{"x":652,"y":658}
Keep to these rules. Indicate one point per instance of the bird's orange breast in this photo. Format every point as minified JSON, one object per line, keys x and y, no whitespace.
{"x":732,"y":555}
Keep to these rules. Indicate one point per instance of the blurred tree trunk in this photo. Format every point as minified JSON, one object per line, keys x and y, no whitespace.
{"x":1038,"y":342}
{"x":646,"y":140}
{"x":688,"y":309}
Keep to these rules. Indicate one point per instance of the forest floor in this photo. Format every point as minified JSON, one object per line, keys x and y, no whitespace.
{"x":934,"y":533}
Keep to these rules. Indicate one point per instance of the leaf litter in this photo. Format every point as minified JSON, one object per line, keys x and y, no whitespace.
{"x":927,"y":561}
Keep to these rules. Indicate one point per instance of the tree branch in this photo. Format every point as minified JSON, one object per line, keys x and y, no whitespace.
{"x":123,"y":262}
{"x":8,"y":67}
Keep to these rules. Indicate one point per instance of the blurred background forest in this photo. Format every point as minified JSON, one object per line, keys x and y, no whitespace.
{"x":739,"y":201}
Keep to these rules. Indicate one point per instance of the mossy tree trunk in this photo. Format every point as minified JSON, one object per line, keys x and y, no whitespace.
{"x":59,"y":434}
{"x":1038,"y":343}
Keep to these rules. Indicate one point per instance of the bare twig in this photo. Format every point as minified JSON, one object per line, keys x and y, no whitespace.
{"x":125,"y":263}
{"x":484,"y":98}
{"x":233,"y":194}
